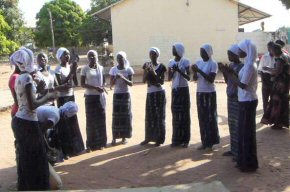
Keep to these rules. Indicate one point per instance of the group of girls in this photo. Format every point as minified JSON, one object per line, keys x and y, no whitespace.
{"x":32,"y":91}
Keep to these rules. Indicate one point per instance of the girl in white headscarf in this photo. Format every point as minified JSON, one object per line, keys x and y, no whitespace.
{"x":247,"y":86}
{"x":233,"y":103}
{"x":154,"y":75}
{"x":178,"y":72}
{"x":30,"y":147}
{"x":204,"y":72}
{"x":93,"y":80}
{"x":122,"y":79}
{"x":46,"y":75}
{"x":71,"y":139}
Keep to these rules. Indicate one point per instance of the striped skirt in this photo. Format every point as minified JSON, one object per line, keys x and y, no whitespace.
{"x":247,"y":153}
{"x":95,"y":122}
{"x":122,"y":116}
{"x":69,"y":134}
{"x":32,"y":163}
{"x":233,"y":116}
{"x":155,"y":117}
{"x":207,"y":117}
{"x":180,"y":108}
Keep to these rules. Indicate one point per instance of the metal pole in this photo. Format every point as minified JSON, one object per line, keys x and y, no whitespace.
{"x":51,"y":28}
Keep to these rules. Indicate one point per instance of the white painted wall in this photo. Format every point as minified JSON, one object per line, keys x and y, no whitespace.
{"x":140,"y":24}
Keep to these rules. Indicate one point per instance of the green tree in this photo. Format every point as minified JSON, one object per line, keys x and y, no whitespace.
{"x":14,"y":18}
{"x":94,"y":30}
{"x":67,"y":18}
{"x":6,"y":46}
{"x":286,"y":3}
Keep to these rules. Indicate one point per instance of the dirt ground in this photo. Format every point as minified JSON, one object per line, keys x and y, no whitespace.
{"x":132,"y":165}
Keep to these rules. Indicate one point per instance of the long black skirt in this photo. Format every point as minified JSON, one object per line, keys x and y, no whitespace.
{"x":32,"y":163}
{"x":247,"y":153}
{"x":122,"y":116}
{"x":155,"y":117}
{"x":233,"y":117}
{"x":69,"y":134}
{"x":207,"y":117}
{"x":96,"y":122}
{"x":180,"y":108}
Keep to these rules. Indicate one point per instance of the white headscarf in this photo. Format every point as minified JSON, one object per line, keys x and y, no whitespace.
{"x":235,"y":49}
{"x":248,"y":47}
{"x":156,"y":50}
{"x":69,"y":109}
{"x":94,"y":52}
{"x":60,"y":51}
{"x":208,"y":49}
{"x":24,"y":59}
{"x":124,"y":55}
{"x":179,"y":47}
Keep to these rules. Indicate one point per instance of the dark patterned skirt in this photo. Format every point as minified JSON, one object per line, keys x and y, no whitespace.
{"x":95,"y":122}
{"x":69,"y":134}
{"x":180,"y":108}
{"x":247,"y":153}
{"x":122,"y":116}
{"x":233,"y":117}
{"x":207,"y":117}
{"x":32,"y":163}
{"x":155,"y":117}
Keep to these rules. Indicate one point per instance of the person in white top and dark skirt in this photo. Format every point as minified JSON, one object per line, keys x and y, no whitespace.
{"x":247,"y":82}
{"x":121,"y":79}
{"x":69,"y":131}
{"x":233,"y":103}
{"x":93,"y":80}
{"x":154,"y":74}
{"x":178,"y":73}
{"x":204,"y":72}
{"x":32,"y":162}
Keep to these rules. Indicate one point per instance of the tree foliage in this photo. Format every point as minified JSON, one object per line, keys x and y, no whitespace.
{"x":67,"y":19}
{"x":14,"y":18}
{"x":94,"y":30}
{"x":6,"y":46}
{"x":286,"y":3}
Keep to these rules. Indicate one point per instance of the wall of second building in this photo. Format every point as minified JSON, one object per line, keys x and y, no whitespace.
{"x":140,"y":24}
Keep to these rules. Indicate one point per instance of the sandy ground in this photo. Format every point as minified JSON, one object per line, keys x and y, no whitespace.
{"x":133,"y":165}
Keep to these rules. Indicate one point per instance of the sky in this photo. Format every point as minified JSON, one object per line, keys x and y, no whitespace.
{"x":280,"y":16}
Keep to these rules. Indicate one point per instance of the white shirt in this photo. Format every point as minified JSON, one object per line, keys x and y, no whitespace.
{"x":204,"y":86}
{"x":94,"y":77}
{"x":178,"y":80}
{"x":45,"y":113}
{"x":248,"y":76}
{"x":23,"y":111}
{"x":120,"y":85}
{"x":266,"y":61}
{"x":63,"y":72}
{"x":49,"y":82}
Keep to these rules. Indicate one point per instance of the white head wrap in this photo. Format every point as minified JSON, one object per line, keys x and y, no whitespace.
{"x":235,"y":49}
{"x":248,"y":47}
{"x":69,"y":109}
{"x":24,"y":59}
{"x":156,"y":50}
{"x":179,"y":47}
{"x":94,"y":52}
{"x":124,"y":55}
{"x":60,"y":51}
{"x":50,"y":113}
{"x":208,"y":49}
